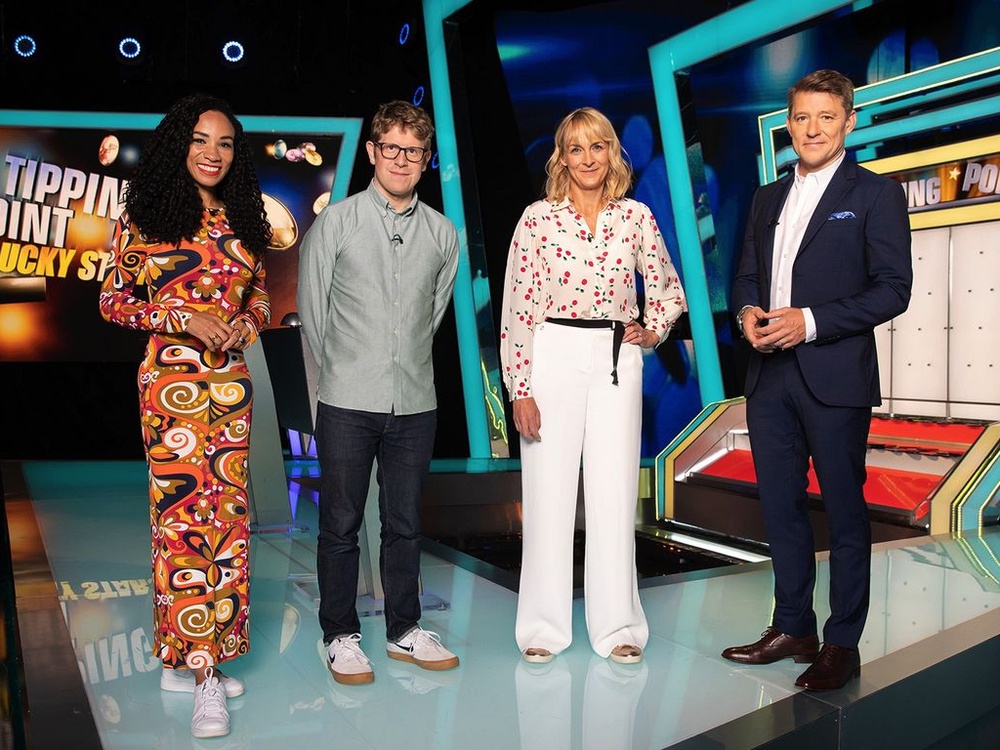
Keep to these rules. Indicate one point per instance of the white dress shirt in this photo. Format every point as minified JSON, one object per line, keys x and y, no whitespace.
{"x":800,"y":204}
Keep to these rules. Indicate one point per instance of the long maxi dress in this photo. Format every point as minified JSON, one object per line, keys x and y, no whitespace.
{"x":195,"y":408}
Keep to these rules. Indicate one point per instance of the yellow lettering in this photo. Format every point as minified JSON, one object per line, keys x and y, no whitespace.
{"x":87,"y":270}
{"x":66,"y":592}
{"x":26,"y":263}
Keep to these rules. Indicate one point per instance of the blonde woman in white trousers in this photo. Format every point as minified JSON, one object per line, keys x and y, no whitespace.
{"x":571,"y":346}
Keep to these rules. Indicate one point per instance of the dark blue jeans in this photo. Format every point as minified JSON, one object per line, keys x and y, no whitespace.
{"x":347,"y":441}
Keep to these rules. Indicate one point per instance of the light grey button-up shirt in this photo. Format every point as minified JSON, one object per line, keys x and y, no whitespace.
{"x":373,"y":288}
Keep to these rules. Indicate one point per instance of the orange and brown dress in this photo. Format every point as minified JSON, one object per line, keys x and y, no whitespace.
{"x":195,"y":407}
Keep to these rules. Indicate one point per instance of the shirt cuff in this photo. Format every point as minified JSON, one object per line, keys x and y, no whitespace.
{"x":810,"y":324}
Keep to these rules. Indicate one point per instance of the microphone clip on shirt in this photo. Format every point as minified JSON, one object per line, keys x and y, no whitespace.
{"x":396,"y":239}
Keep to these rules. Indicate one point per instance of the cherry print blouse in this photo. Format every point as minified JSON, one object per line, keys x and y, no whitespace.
{"x":555,"y":271}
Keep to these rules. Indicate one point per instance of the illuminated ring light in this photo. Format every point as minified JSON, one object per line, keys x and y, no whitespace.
{"x":25,"y":46}
{"x":232,"y":51}
{"x":418,"y":96}
{"x":435,"y":161}
{"x":129,"y":48}
{"x":404,"y":34}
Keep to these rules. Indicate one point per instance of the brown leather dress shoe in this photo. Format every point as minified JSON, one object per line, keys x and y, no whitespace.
{"x":774,"y":646}
{"x":834,"y":666}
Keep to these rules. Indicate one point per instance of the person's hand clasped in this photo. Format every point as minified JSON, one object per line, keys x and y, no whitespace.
{"x":216,"y":334}
{"x":636,"y":334}
{"x":527,"y":419}
{"x":780,"y":329}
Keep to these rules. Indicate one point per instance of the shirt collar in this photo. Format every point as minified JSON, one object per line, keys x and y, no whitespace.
{"x":564,"y":204}
{"x":821,"y":176}
{"x":384,"y":206}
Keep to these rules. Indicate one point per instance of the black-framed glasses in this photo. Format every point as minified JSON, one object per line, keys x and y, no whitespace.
{"x":412,"y":153}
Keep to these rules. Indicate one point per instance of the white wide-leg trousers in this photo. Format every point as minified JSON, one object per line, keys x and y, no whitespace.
{"x":582,"y":415}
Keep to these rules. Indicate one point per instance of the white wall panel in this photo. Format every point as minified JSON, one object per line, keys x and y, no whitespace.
{"x":920,"y":335}
{"x":960,"y":410}
{"x":941,"y":358}
{"x":975,"y":303}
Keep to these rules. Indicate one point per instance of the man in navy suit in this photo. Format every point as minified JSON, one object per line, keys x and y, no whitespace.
{"x":826,"y":259}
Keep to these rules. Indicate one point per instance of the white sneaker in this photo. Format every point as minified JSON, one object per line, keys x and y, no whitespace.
{"x":348,"y":662}
{"x":182,"y":681}
{"x":211,"y":717}
{"x":423,"y":648}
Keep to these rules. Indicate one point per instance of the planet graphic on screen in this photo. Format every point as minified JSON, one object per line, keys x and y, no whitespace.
{"x":284,"y":230}
{"x":108,"y":151}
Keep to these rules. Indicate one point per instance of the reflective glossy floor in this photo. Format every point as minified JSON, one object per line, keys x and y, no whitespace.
{"x":93,"y":523}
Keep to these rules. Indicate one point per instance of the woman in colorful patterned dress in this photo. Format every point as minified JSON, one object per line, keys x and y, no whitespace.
{"x":188,"y":266}
{"x":570,"y":303}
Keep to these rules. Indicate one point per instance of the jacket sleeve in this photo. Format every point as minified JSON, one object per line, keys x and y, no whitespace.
{"x":747,"y":283}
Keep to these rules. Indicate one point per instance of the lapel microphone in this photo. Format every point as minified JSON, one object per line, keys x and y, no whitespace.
{"x":396,"y":239}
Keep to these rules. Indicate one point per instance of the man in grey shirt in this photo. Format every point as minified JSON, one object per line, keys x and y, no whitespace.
{"x":376,"y":273}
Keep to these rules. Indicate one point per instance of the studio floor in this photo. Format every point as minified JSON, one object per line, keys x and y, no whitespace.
{"x":933,"y":600}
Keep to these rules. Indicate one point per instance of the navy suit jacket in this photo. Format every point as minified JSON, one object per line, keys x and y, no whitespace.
{"x":853,"y":270}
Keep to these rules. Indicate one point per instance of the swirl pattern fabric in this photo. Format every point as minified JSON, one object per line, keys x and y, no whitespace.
{"x":195,"y":409}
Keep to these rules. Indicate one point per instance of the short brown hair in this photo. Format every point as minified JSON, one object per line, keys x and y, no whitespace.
{"x":591,"y":125}
{"x":826,"y":82}
{"x":404,"y":115}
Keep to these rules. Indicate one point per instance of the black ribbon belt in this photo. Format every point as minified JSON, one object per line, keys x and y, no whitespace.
{"x":616,"y":344}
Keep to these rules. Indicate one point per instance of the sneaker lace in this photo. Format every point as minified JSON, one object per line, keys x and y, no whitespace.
{"x":211,"y":701}
{"x":348,"y":648}
{"x":427,"y":638}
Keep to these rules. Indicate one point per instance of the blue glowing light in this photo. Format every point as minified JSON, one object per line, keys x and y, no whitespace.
{"x":129,"y":48}
{"x":25,"y":46}
{"x":510,"y":52}
{"x":530,"y":50}
{"x":232,"y":51}
{"x":418,"y":96}
{"x":404,"y":34}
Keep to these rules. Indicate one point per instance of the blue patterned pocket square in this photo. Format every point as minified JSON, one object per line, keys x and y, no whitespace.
{"x":841,"y":215}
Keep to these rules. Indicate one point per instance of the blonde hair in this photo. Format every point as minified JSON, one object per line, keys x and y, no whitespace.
{"x":586,"y":125}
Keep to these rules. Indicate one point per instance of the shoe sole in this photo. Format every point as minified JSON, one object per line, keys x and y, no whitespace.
{"x":433,"y":666}
{"x":357,"y":678}
{"x":797,"y":658}
{"x":204,"y":735}
{"x":537,"y":658}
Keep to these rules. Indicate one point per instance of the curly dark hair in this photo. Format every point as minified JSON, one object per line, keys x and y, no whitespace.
{"x":162,"y":198}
